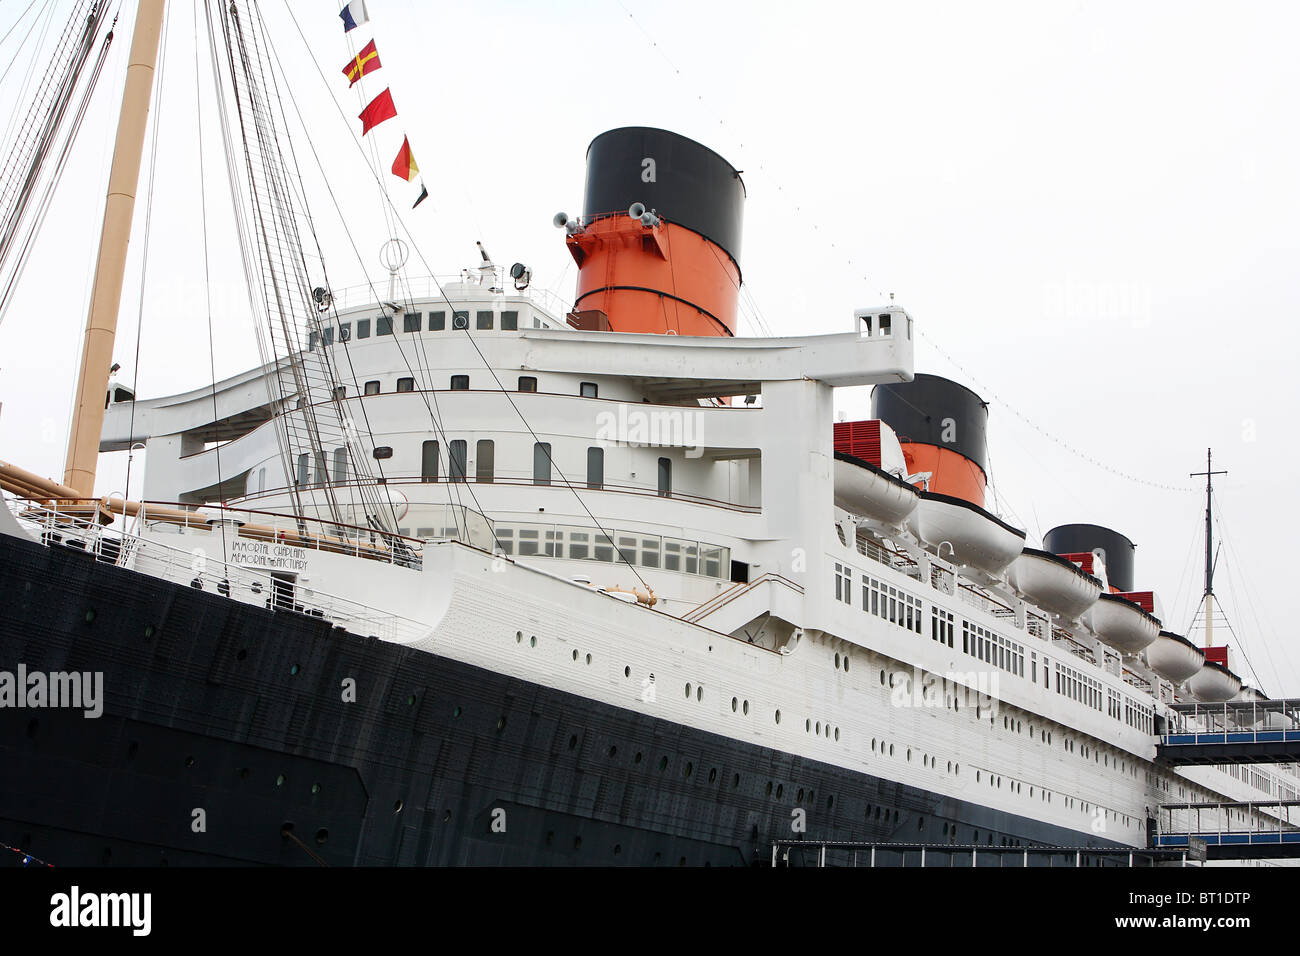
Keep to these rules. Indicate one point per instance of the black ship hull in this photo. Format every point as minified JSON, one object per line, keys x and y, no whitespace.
{"x":227,"y":739}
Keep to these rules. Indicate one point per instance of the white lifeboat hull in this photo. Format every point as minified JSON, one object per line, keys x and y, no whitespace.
{"x":1214,"y":683}
{"x":976,"y":538}
{"x":1123,"y":625}
{"x":871,"y":493}
{"x":1175,"y":658}
{"x":1053,"y":583}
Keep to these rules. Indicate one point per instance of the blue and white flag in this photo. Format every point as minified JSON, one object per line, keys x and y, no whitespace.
{"x":353,"y":15}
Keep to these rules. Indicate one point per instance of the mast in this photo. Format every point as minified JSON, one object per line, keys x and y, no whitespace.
{"x":110,"y":265}
{"x":1209,"y":474}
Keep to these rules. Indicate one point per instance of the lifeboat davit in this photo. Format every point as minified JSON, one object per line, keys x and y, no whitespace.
{"x":1053,"y":583}
{"x":1174,"y":657}
{"x":976,"y":538}
{"x":1214,"y":683}
{"x":1123,"y":625}
{"x":863,"y":489}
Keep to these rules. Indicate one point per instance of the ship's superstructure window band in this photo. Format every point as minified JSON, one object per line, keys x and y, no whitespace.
{"x":575,"y":542}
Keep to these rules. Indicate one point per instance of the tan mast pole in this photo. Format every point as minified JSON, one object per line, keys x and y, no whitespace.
{"x":110,"y":267}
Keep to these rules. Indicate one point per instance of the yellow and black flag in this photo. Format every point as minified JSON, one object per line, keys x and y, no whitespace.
{"x":367,"y":61}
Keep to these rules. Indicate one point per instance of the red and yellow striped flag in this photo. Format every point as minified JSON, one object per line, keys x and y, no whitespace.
{"x":404,"y":165}
{"x":367,"y":61}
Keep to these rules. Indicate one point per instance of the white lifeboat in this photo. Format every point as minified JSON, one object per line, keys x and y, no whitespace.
{"x":1174,"y":657}
{"x":863,"y":489}
{"x":976,"y":538}
{"x":1121,"y":624}
{"x":1214,"y":683}
{"x":1053,"y":583}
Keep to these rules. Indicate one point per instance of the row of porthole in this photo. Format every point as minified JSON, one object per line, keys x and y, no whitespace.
{"x":817,"y":728}
{"x":842,"y":662}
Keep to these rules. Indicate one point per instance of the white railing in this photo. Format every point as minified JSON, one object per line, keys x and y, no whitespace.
{"x":429,"y":288}
{"x":195,"y":569}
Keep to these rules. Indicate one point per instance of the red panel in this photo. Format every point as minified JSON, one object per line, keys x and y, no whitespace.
{"x":1082,"y":558}
{"x":1217,"y":655}
{"x":859,"y":439}
{"x":1146,"y":600}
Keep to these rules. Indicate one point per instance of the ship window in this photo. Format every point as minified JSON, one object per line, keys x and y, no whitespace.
{"x":327,"y":336}
{"x":372,"y":388}
{"x":578,"y":544}
{"x":459,"y":383}
{"x":527,"y":383}
{"x":460,"y":320}
{"x":437,"y":321}
{"x":483,"y":319}
{"x":406,"y":384}
{"x":345,"y":331}
{"x":304,"y":468}
{"x":587,"y":389}
{"x":885,"y":321}
{"x":456,"y":460}
{"x":363,"y":328}
{"x":384,"y":325}
{"x":665,"y":478}
{"x":595,"y":467}
{"x":509,"y":321}
{"x":340,"y":465}
{"x":542,"y":463}
{"x":412,"y":321}
{"x":485,"y":460}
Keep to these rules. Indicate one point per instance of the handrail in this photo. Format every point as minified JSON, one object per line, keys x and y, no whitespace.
{"x":723,"y":598}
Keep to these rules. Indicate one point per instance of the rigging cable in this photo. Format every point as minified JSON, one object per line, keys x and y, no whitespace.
{"x":468,"y":335}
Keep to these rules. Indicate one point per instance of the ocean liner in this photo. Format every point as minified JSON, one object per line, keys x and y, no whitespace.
{"x":461,"y":576}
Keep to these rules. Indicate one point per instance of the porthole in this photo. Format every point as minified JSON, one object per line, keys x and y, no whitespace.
{"x":575,"y":653}
{"x":397,"y":806}
{"x":532,"y":641}
{"x":807,"y":725}
{"x":322,"y":835}
{"x":778,"y":716}
{"x":819,"y":728}
{"x":830,"y":801}
{"x":315,"y":788}
{"x":90,"y":615}
{"x":501,"y":723}
{"x":279,"y":780}
{"x":837,"y":661}
{"x":735,"y":781}
{"x":713,"y":774}
{"x":828,"y":731}
{"x":891,"y":750}
{"x":780,"y":789}
{"x":882,"y":678}
{"x":688,"y":691}
{"x":627,"y":672}
{"x":637,"y":758}
{"x":410,"y":700}
{"x":846,"y":663}
{"x":519,"y":637}
{"x":588,"y":659}
{"x":699,"y":693}
{"x":573,"y":741}
{"x":769,"y":788}
{"x":663,"y":764}
{"x":456,"y":712}
{"x":618,"y":848}
{"x":745,"y":708}
{"x":690,"y":769}
{"x":612,"y":750}
{"x":735,"y":702}
{"x":148,"y":631}
{"x":294,"y":670}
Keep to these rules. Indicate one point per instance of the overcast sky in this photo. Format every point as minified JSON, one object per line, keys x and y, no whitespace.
{"x":1090,"y":210}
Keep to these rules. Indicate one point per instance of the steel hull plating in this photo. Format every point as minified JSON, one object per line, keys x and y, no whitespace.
{"x":240,"y":712}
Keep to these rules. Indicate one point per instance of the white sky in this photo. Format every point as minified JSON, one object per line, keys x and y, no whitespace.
{"x":1091,"y":207}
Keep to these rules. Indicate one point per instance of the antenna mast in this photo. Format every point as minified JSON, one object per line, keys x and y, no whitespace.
{"x":1209,"y":474}
{"x":110,"y":267}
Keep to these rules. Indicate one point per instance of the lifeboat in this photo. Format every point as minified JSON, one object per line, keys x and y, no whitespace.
{"x":1053,"y":583}
{"x":1123,"y":625}
{"x":863,"y":489}
{"x":1214,"y":683}
{"x":1174,"y":657}
{"x":975,"y":537}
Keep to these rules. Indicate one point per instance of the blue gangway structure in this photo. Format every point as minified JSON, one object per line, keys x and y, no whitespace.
{"x":1181,"y":824}
{"x":1235,"y":732}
